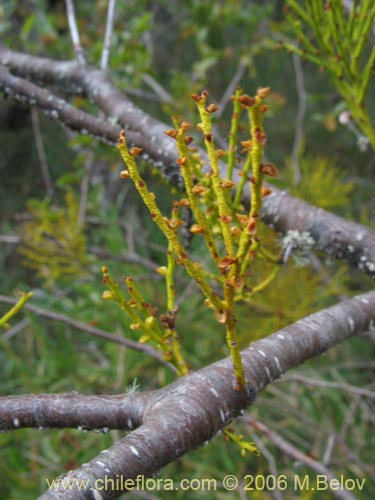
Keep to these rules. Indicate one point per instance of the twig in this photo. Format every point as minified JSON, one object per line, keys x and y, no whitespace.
{"x":340,"y":238}
{"x":108,"y":34}
{"x":41,"y":152}
{"x":325,"y":383}
{"x":85,"y":187}
{"x":96,"y":332}
{"x":298,"y":137}
{"x":74,"y":33}
{"x":157,"y":88}
{"x":296,"y":454}
{"x":231,"y":88}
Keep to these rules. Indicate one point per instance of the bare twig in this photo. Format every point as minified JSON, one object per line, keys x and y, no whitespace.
{"x":162,"y":94}
{"x":74,"y":33}
{"x":231,"y":88}
{"x":325,"y":383}
{"x":296,"y":454}
{"x":41,"y":152}
{"x":85,"y":187}
{"x":108,"y":34}
{"x":299,"y":131}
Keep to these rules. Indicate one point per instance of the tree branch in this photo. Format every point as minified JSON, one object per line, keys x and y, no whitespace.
{"x":342,"y":239}
{"x":193,"y":409}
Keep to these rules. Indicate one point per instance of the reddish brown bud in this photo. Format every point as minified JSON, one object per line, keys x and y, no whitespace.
{"x":196,"y":97}
{"x":185,"y":203}
{"x":124,"y":174}
{"x":188,"y":140}
{"x":225,"y":263}
{"x":266,"y":192}
{"x":185,"y":125}
{"x":220,"y":153}
{"x":242,"y":218}
{"x":211,"y":108}
{"x":135,"y":151}
{"x":171,"y":133}
{"x":263,"y":92}
{"x":227,"y":184}
{"x":263,"y":108}
{"x":181,"y":161}
{"x":198,"y":189}
{"x":208,"y":137}
{"x":197,"y":229}
{"x":247,"y":145}
{"x":261,"y":137}
{"x":225,"y":218}
{"x":246,"y":100}
{"x":269,"y":169}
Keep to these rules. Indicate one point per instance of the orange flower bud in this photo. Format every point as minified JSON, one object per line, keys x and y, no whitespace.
{"x":263,"y":92}
{"x":227,"y":184}
{"x":181,"y":161}
{"x":198,"y":189}
{"x":266,"y":191}
{"x":135,"y":151}
{"x":211,"y":108}
{"x":225,"y":218}
{"x":197,"y":229}
{"x":124,"y":174}
{"x":246,"y":100}
{"x":269,"y":169}
{"x":171,"y":133}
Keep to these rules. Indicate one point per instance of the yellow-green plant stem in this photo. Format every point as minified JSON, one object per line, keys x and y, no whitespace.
{"x":187,"y":174}
{"x":193,"y":269}
{"x":223,"y":209}
{"x":233,"y":133}
{"x":256,"y":132}
{"x":267,"y":281}
{"x":244,"y":445}
{"x":24,"y":297}
{"x":242,"y":181}
{"x":165,"y":339}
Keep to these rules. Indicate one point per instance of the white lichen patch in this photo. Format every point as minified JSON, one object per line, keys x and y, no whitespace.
{"x":134,"y":450}
{"x":16,"y":422}
{"x":351,"y":324}
{"x":96,"y":495}
{"x":262,"y":353}
{"x":214,"y":392}
{"x":101,"y":464}
{"x":277,"y":363}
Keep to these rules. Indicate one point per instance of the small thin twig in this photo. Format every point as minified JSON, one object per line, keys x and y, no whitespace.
{"x":336,"y":385}
{"x":108,"y":34}
{"x":85,"y":188}
{"x":96,"y":332}
{"x":298,"y":137}
{"x":231,"y":88}
{"x":296,"y":454}
{"x":157,"y":88}
{"x":74,"y":33}
{"x":41,"y":151}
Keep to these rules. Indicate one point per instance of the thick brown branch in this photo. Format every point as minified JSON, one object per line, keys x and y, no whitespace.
{"x":193,"y":409}
{"x":336,"y":236}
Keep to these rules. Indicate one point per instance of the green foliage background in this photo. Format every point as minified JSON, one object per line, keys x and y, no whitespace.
{"x":185,"y":46}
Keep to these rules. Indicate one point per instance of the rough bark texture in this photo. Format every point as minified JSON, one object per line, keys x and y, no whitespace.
{"x":188,"y":412}
{"x":336,"y":236}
